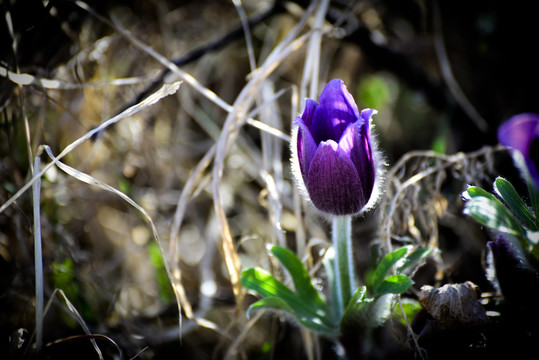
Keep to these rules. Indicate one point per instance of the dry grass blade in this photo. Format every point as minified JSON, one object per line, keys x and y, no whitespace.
{"x":311,"y":71}
{"x":76,"y":315}
{"x":233,"y":123}
{"x":91,"y":337}
{"x":416,"y":167}
{"x":166,"y":90}
{"x":24,"y":79}
{"x":174,"y":273}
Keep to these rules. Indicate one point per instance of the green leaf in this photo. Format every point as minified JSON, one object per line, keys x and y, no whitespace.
{"x":411,"y":308}
{"x":474,"y":191}
{"x":374,"y":92}
{"x":266,"y":285}
{"x":394,"y":284}
{"x":533,"y":191}
{"x":276,"y":303}
{"x":329,"y":264}
{"x":385,"y":266}
{"x":302,"y":281}
{"x":272,"y":302}
{"x":413,"y":258}
{"x":307,"y":313}
{"x":163,"y":282}
{"x":366,"y":312}
{"x":357,"y":298}
{"x":510,"y":196}
{"x":490,"y":212}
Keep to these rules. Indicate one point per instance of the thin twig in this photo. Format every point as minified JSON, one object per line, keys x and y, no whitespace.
{"x":448,"y":75}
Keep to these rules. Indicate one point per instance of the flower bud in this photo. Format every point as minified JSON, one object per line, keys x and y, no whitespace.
{"x":334,"y":157}
{"x":521,"y":132}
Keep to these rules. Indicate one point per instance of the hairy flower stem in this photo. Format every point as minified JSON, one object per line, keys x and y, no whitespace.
{"x":344,"y":266}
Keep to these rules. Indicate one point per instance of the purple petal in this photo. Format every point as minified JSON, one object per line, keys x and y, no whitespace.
{"x":336,"y":111}
{"x":306,"y":148}
{"x":333,"y":182}
{"x":521,"y":132}
{"x":307,"y":116}
{"x":356,"y":145}
{"x":366,"y":115}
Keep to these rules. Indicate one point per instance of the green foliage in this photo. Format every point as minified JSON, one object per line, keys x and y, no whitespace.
{"x":491,"y":212}
{"x":278,"y":296}
{"x":512,"y":216}
{"x":394,"y":284}
{"x":510,"y":196}
{"x":306,"y":304}
{"x":300,"y":276}
{"x":383,"y":268}
{"x":165,"y":289}
{"x":311,"y":310}
{"x":64,"y":278}
{"x":412,"y":258}
{"x":410,"y":306}
{"x":373,"y":311}
{"x":374,"y":92}
{"x":401,"y":259}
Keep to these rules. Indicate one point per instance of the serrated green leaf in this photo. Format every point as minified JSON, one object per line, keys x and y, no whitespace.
{"x":490,"y":212}
{"x":383,"y":268}
{"x":394,"y":284}
{"x":413,"y":258}
{"x":302,"y":281}
{"x":510,"y":196}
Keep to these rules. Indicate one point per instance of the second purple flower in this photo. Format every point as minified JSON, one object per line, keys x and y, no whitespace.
{"x":521,"y":132}
{"x":333,"y":154}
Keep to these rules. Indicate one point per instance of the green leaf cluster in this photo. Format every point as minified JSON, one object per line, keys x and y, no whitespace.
{"x":383,"y":283}
{"x":306,"y":304}
{"x":506,"y":213}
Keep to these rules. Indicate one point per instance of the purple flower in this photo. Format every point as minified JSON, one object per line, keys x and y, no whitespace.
{"x":521,"y":132}
{"x":334,"y":158}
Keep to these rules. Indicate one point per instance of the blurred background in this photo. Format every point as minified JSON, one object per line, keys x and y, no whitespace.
{"x":443,"y":76}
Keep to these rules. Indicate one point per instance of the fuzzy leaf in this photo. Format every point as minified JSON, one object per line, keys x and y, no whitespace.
{"x":490,"y":212}
{"x":510,"y":196}
{"x":366,"y":312}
